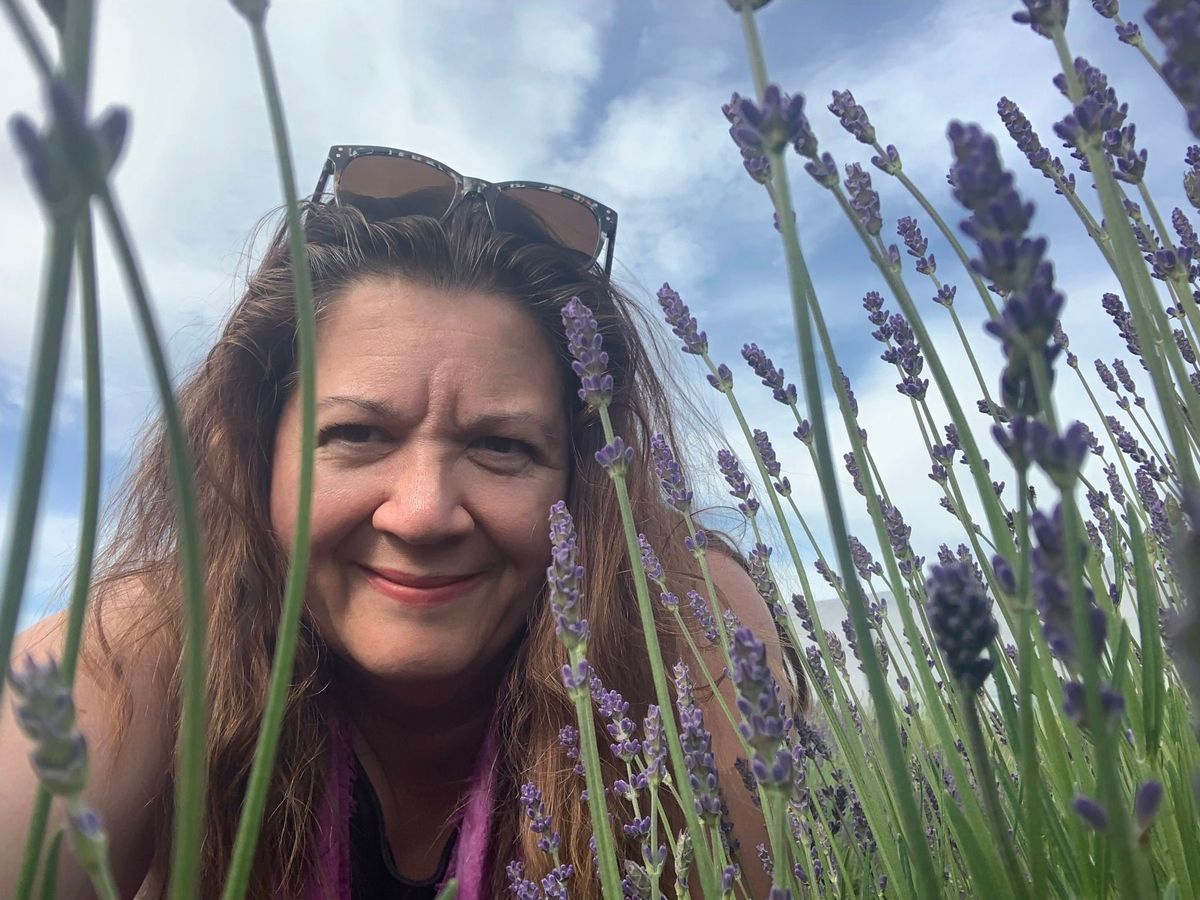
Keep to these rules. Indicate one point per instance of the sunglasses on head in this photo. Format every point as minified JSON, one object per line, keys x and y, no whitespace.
{"x":385,"y":183}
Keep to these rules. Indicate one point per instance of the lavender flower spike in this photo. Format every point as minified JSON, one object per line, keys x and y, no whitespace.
{"x":590,"y":360}
{"x":1043,"y":16}
{"x":565,"y":578}
{"x":615,"y":457}
{"x":764,"y":722}
{"x":46,"y":713}
{"x":670,"y":475}
{"x":852,"y":116}
{"x":960,"y":616}
{"x":539,"y":820}
{"x":697,"y":750}
{"x":682,"y":322}
{"x":778,"y":122}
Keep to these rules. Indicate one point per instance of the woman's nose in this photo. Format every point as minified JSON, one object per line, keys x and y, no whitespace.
{"x":422,"y":501}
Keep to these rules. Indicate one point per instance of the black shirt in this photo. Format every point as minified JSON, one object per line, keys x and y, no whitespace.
{"x":373,"y":874}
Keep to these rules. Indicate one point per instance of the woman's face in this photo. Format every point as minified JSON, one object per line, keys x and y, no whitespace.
{"x":441,"y":445}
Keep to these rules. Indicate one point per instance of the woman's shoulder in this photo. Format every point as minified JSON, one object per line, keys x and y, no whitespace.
{"x":121,"y":700}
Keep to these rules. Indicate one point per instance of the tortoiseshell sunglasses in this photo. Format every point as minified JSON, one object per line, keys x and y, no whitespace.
{"x":386,"y":183}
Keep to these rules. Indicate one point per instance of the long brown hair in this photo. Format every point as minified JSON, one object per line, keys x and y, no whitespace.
{"x":230,"y":408}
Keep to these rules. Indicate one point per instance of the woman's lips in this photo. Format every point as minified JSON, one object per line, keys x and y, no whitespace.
{"x":419,"y":590}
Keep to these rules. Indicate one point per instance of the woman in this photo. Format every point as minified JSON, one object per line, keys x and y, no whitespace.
{"x":426,"y":686}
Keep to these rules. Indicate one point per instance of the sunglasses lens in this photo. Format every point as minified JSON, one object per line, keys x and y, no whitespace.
{"x":388,"y":187}
{"x":547,"y":216}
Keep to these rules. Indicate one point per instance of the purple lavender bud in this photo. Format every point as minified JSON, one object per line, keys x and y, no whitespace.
{"x":1107,"y":8}
{"x":615,"y":457}
{"x":778,"y":122}
{"x":696,"y":544}
{"x":1124,"y":322}
{"x":853,"y":471}
{"x":945,"y":294}
{"x":960,"y":616}
{"x":765,"y":722}
{"x":1092,"y":813}
{"x":1052,"y":590}
{"x":763,"y":443}
{"x":681,"y":321}
{"x":702,"y":613}
{"x":539,"y":822}
{"x":1129,"y":33}
{"x":565,"y":580}
{"x":1123,"y":375}
{"x":590,"y":361}
{"x":824,"y":170}
{"x":863,"y":561}
{"x":650,"y":563}
{"x":889,"y":162}
{"x":1061,"y":458}
{"x":863,"y":198}
{"x":758,"y":562}
{"x":654,"y":747}
{"x":898,"y":537}
{"x":1043,"y":16}
{"x":1106,"y":376}
{"x":45,"y":711}
{"x":917,"y":245}
{"x":518,"y":885}
{"x":849,"y":393}
{"x":771,"y":376}
{"x":852,"y":116}
{"x":697,"y":750}
{"x":1075,"y":704}
{"x":1177,"y":25}
{"x":723,"y":380}
{"x":1146,"y":803}
{"x":803,"y":432}
{"x":576,"y":679}
{"x":739,"y":486}
{"x":669,"y":473}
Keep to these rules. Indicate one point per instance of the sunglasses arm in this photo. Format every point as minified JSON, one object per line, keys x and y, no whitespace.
{"x":326,"y":171}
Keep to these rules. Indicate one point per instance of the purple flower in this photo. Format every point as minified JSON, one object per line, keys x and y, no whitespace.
{"x":863,"y":561}
{"x":1129,"y":33}
{"x":1012,"y":261}
{"x":778,"y":122}
{"x":681,"y":321}
{"x":1177,"y":25}
{"x":1146,"y":803}
{"x":650,"y":563}
{"x":803,"y":432}
{"x":654,"y":746}
{"x":945,"y":295}
{"x":960,"y":616}
{"x":766,"y":452}
{"x":615,"y":457}
{"x":723,"y":380}
{"x":565,"y":579}
{"x":852,"y":116}
{"x":1027,"y":142}
{"x":765,"y":722}
{"x":520,"y":886}
{"x":898,"y":535}
{"x":697,"y":750}
{"x":614,"y":707}
{"x":1052,"y":590}
{"x":823,"y":170}
{"x":739,"y":486}
{"x":590,"y":361}
{"x":917,"y":245}
{"x":771,"y":376}
{"x":1092,"y":813}
{"x":1124,"y":322}
{"x":702,"y":613}
{"x":1107,"y":8}
{"x":45,"y":711}
{"x":758,"y":562}
{"x":669,"y":473}
{"x":889,"y":162}
{"x":1043,"y":16}
{"x":539,"y":822}
{"x":863,"y":198}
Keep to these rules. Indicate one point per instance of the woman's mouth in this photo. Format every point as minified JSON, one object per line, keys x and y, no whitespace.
{"x":419,"y":590}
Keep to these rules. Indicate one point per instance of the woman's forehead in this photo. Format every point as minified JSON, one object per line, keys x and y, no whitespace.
{"x":476,"y":349}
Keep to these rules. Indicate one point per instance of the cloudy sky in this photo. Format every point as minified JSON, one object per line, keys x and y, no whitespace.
{"x":615,"y":98}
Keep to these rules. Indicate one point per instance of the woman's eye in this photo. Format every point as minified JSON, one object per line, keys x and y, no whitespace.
{"x":348,"y":434}
{"x":505,"y":446}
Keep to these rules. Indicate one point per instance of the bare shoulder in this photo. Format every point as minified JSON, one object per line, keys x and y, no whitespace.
{"x":126,"y":721}
{"x":741,"y":597}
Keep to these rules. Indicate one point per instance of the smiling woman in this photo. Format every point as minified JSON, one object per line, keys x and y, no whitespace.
{"x":427,"y":683}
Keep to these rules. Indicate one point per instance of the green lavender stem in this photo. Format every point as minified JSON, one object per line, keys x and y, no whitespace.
{"x":189,"y":788}
{"x":709,"y":877}
{"x":254,"y":806}
{"x":910,"y":822}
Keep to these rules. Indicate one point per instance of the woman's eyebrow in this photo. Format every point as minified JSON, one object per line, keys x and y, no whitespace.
{"x":520,"y":418}
{"x":371,"y":406}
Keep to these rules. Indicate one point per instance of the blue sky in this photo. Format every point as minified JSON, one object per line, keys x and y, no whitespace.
{"x":619,"y":100}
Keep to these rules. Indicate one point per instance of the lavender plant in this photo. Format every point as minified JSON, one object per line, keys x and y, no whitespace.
{"x":1028,"y":727}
